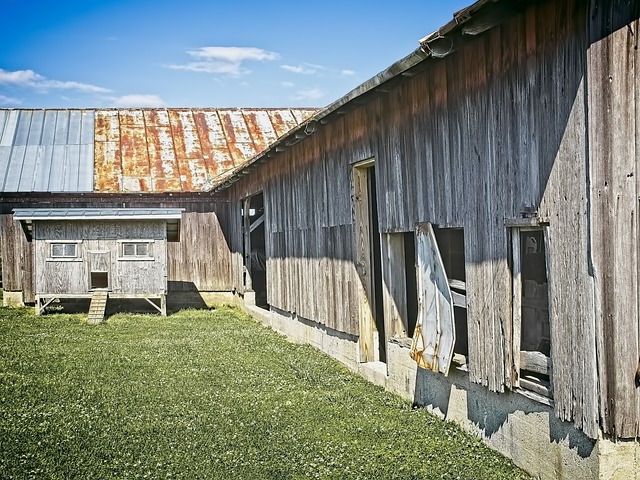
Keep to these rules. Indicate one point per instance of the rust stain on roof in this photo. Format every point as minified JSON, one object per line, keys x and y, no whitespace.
{"x":174,"y":150}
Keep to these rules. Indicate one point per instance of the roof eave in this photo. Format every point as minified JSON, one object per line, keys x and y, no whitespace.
{"x":403,"y":66}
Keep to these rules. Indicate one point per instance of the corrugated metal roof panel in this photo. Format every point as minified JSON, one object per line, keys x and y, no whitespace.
{"x":132,"y":150}
{"x":32,"y":214}
{"x":171,"y":150}
{"x":46,"y":150}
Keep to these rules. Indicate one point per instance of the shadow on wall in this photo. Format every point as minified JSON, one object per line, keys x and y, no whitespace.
{"x":184,"y":295}
{"x":488,"y":411}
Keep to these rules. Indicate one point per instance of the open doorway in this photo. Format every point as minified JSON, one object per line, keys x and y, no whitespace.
{"x":531,"y":325}
{"x":451,"y":247}
{"x":373,"y":341}
{"x":255,"y":263}
{"x":99,"y":263}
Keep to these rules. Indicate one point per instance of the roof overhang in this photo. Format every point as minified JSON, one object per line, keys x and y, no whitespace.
{"x":172,"y":216}
{"x":471,"y":21}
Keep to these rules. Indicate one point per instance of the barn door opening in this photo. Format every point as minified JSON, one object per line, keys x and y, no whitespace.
{"x":531,"y":326}
{"x":99,"y":263}
{"x":255,"y":263}
{"x":435,"y":334}
{"x":373,"y":341}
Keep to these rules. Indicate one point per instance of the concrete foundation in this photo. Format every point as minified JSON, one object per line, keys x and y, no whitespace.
{"x":521,"y":428}
{"x":12,"y":299}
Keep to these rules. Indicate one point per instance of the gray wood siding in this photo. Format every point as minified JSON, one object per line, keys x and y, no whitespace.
{"x":201,"y":260}
{"x":614,"y":153}
{"x":125,"y":276}
{"x":17,"y":259}
{"x":480,"y":136}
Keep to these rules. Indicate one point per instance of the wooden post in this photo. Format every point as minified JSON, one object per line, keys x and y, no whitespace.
{"x":394,"y":289}
{"x":366,"y":321}
{"x":248,"y":284}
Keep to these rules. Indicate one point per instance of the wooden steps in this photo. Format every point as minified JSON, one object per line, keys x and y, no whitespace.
{"x":97,"y":307}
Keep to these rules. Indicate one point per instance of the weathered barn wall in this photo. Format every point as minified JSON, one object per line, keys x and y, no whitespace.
{"x":17,"y":260}
{"x":489,"y":132}
{"x":129,"y":276}
{"x":201,"y":260}
{"x":614,"y":154}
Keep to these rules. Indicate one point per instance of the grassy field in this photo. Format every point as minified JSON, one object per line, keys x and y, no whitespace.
{"x":204,"y":394}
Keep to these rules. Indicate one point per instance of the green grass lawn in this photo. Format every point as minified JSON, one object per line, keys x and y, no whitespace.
{"x":204,"y":394}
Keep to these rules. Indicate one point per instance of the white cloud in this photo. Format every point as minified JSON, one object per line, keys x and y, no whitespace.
{"x":224,"y":60}
{"x":8,"y":101}
{"x":310,"y":94}
{"x":137,"y":100}
{"x":300,"y":69}
{"x":35,"y":81}
{"x":287,"y":84}
{"x":348,"y":73}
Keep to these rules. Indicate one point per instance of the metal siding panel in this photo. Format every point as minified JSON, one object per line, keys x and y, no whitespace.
{"x":108,"y":167}
{"x":302,"y":115}
{"x":283,"y":121}
{"x":221,"y":159}
{"x":43,"y":168}
{"x":107,"y":126}
{"x":240,"y":143}
{"x":5,"y":155}
{"x":22,"y":128}
{"x":75,"y":123}
{"x":15,"y":168}
{"x":35,"y":130}
{"x":87,"y":127}
{"x":73,"y":169}
{"x":4,"y":115}
{"x":58,"y":167}
{"x":85,"y":170}
{"x":28,"y":173}
{"x":49,"y":127}
{"x":260,"y":128}
{"x":62,"y":127}
{"x":9,"y":130}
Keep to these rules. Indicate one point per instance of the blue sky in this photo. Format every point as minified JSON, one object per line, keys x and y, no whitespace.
{"x":198,"y":53}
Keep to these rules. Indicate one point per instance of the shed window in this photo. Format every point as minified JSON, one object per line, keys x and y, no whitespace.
{"x":136,"y":250}
{"x":64,"y":250}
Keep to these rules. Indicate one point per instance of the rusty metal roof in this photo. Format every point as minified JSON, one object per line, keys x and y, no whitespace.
{"x":46,"y":150}
{"x":177,"y":150}
{"x":133,"y":150}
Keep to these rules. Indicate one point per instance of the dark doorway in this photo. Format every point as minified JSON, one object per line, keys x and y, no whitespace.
{"x":254,"y":246}
{"x":451,"y":247}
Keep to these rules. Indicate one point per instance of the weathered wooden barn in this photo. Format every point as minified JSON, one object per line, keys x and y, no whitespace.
{"x":131,"y":158}
{"x":483,"y":189}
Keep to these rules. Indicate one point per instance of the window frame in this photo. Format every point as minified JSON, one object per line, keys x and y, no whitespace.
{"x":136,"y":243}
{"x":76,"y":257}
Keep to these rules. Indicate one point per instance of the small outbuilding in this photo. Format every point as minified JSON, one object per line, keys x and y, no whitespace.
{"x":100,"y":252}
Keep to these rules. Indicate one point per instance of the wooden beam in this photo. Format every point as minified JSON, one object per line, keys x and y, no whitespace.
{"x":536,"y":362}
{"x":248,"y":284}
{"x":257,"y":222}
